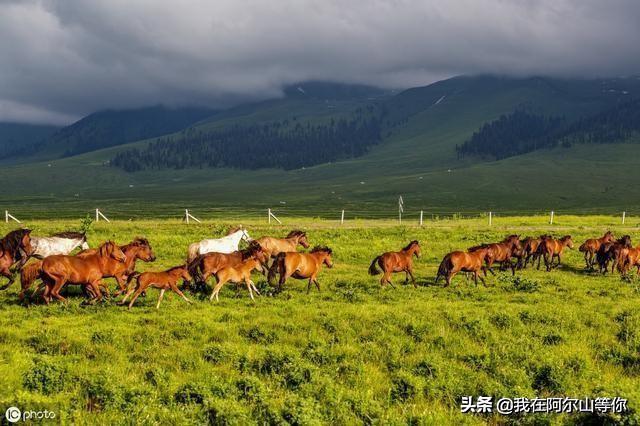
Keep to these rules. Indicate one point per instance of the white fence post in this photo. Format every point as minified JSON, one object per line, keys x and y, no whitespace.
{"x":551,"y":218}
{"x":188,"y":216}
{"x":490,"y":217}
{"x":342,"y":217}
{"x":624,"y":214}
{"x":8,"y":216}
{"x":421,"y":214}
{"x":271,"y":215}
{"x":99,"y":215}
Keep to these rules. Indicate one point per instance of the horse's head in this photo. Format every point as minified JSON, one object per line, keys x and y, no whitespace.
{"x":186,"y":276}
{"x":111,"y":249}
{"x":257,"y":252}
{"x":567,"y":241}
{"x":144,"y":251}
{"x":25,"y":242}
{"x":414,"y":248}
{"x":300,"y":237}
{"x":512,"y":238}
{"x":625,"y":241}
{"x":608,"y":236}
{"x":326,"y":253}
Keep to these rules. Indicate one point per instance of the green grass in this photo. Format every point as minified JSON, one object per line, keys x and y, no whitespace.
{"x":352,"y":353}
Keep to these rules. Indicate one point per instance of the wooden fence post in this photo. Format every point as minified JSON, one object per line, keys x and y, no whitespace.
{"x":624,"y":214}
{"x":342,"y":217}
{"x":490,"y":217}
{"x":421,"y":215}
{"x":551,"y":218}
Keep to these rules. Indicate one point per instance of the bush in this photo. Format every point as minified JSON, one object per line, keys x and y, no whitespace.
{"x":403,"y":387}
{"x":225,"y":412}
{"x":100,"y":394}
{"x":45,"y":377}
{"x":547,"y":379}
{"x":214,"y":354}
{"x":191,"y":393}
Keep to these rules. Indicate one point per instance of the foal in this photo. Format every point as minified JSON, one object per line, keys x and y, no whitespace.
{"x":167,"y":280}
{"x":396,"y":261}
{"x":240,"y":273}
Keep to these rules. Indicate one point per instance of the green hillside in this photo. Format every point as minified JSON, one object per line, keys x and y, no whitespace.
{"x":422,"y":128}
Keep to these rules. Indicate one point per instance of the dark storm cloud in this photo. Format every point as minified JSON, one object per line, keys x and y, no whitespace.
{"x":65,"y":58}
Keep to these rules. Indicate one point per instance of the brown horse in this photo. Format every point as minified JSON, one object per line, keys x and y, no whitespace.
{"x":530,"y":248}
{"x":167,"y":280}
{"x":206,"y":265}
{"x":551,"y":248}
{"x":59,"y":270}
{"x":275,"y":246}
{"x":396,"y":261}
{"x":501,"y":252}
{"x":138,"y":249}
{"x":460,"y":261}
{"x":630,"y":257}
{"x":611,"y":253}
{"x":240,"y":273}
{"x":591,"y":247}
{"x":300,"y":266}
{"x":15,"y":248}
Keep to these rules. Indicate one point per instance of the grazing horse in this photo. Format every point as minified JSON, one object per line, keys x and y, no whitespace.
{"x":61,"y":243}
{"x":167,"y":280}
{"x":501,"y":252}
{"x":300,"y":266}
{"x":275,"y":246}
{"x":396,"y":261}
{"x":206,"y":265}
{"x":551,"y":248}
{"x":59,"y":270}
{"x":591,"y":247}
{"x":14,"y":247}
{"x":240,"y":273}
{"x":226,"y":244}
{"x":611,"y":252}
{"x":460,"y":261}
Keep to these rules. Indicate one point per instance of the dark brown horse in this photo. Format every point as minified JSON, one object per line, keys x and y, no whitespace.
{"x":301,"y":266}
{"x":275,"y":246}
{"x":396,"y":261}
{"x":461,"y":261}
{"x":530,"y":247}
{"x":611,"y":253}
{"x":591,"y":247}
{"x":551,"y":248}
{"x":59,"y":270}
{"x":15,"y":249}
{"x":167,"y":280}
{"x":501,"y":252}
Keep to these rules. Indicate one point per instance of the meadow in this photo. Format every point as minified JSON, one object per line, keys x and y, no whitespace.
{"x":353,"y":353}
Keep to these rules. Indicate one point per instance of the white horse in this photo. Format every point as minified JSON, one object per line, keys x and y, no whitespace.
{"x":62,"y":243}
{"x":227,"y":244}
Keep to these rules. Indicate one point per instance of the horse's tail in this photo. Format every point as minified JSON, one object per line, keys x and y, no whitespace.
{"x":372,"y":268}
{"x":29,"y":274}
{"x":194,"y":268}
{"x":444,"y":268}
{"x":276,"y":266}
{"x":192,"y":252}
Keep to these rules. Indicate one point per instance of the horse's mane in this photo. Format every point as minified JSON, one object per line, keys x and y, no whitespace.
{"x":253,"y":247}
{"x":140,"y":241}
{"x":565,"y":238}
{"x":296,"y":233}
{"x":12,"y":241}
{"x":176,"y":267}
{"x":510,"y":237}
{"x":625,"y":240}
{"x":325,"y":249}
{"x":71,"y":235}
{"x":410,"y":244}
{"x":478,"y":247}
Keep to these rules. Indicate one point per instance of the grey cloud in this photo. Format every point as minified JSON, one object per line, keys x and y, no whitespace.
{"x":65,"y":58}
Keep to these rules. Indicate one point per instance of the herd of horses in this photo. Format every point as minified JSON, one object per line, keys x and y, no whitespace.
{"x":55,"y":267}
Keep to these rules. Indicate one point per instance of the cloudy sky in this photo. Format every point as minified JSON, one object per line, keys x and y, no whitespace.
{"x":61,"y":59}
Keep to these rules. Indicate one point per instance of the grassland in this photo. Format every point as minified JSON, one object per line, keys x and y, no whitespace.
{"x":352,"y":353}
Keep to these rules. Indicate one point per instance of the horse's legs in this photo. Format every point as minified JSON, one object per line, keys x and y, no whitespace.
{"x":126,"y":296}
{"x":413,"y":279}
{"x":481,"y":279}
{"x":175,"y":288}
{"x":248,"y":282}
{"x":162,"y":290}
{"x":254,"y":288}
{"x":55,"y":291}
{"x":139,"y":290}
{"x":475,"y":278}
{"x":216,"y":290}
{"x":6,"y":273}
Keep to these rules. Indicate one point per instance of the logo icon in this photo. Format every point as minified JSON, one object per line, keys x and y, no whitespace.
{"x":13,"y":414}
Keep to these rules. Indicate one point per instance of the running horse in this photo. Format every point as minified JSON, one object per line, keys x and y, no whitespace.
{"x":60,"y":243}
{"x":60,"y":270}
{"x":611,"y":252}
{"x":501,"y":252}
{"x":396,"y":261}
{"x":300,"y":266}
{"x":551,"y":248}
{"x":15,"y":249}
{"x":591,"y":247}
{"x":240,"y":272}
{"x":167,"y":280}
{"x":274,"y":246}
{"x":226,"y":244}
{"x":460,"y":261}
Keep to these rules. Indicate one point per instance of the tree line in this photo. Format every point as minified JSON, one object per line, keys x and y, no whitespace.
{"x":521,"y":132}
{"x":286,"y":144}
